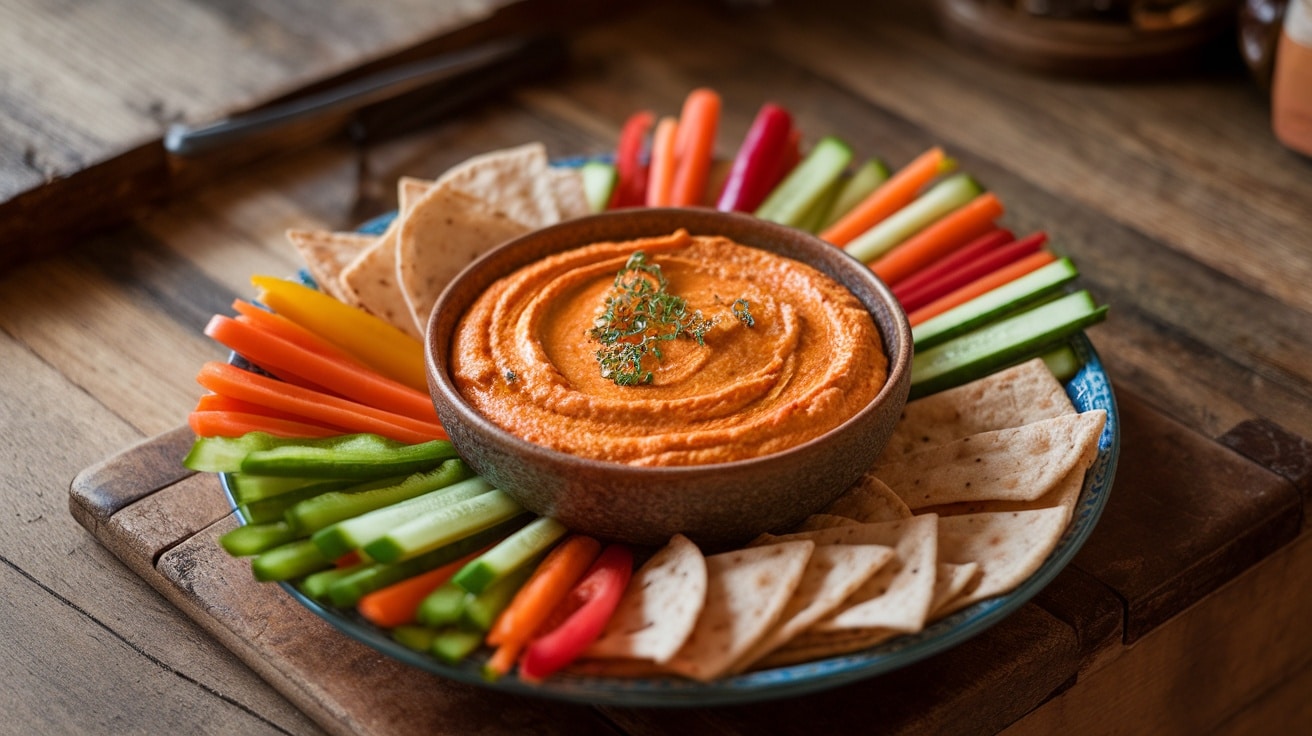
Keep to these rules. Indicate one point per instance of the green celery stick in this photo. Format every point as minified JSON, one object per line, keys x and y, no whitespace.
{"x":599,"y":180}
{"x":806,"y":183}
{"x":857,"y":187}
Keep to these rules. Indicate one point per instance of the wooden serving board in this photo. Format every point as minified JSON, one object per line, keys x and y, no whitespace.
{"x":1145,"y":563}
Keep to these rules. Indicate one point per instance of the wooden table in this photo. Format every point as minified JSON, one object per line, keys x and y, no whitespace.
{"x":1185,"y":612}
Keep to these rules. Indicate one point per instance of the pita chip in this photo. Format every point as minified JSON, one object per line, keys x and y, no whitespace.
{"x":899,"y":596}
{"x":832,"y":574}
{"x":869,"y":500}
{"x":370,"y":281}
{"x":952,"y":581}
{"x":659,"y":608}
{"x":747,"y":591}
{"x":812,"y":645}
{"x":327,"y":254}
{"x":1008,"y":546}
{"x":512,"y":181}
{"x":571,"y":197}
{"x":1009,"y":398}
{"x":1017,"y":464}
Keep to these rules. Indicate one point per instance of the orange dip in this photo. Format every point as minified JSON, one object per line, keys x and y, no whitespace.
{"x":523,"y":356}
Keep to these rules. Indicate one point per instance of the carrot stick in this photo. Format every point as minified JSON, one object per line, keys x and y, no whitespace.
{"x":993,"y":260}
{"x":228,"y":380}
{"x":966,"y":254}
{"x":693,"y":151}
{"x":549,"y":584}
{"x":950,"y":232}
{"x":396,"y":604}
{"x":276,"y":324}
{"x":889,"y":197}
{"x":986,"y":283}
{"x":660,"y":176}
{"x":208,"y":423}
{"x":214,"y":402}
{"x":344,"y":378}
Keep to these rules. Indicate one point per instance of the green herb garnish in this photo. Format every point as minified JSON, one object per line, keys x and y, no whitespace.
{"x":742,"y":309}
{"x":638,"y":316}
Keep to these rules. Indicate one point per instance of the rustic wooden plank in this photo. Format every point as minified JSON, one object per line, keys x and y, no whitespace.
{"x":1199,"y":669}
{"x":98,"y":492}
{"x":1272,"y":446}
{"x":1185,"y":516}
{"x":1285,"y":708}
{"x":978,"y":687}
{"x":345,"y":686}
{"x":1093,"y":612}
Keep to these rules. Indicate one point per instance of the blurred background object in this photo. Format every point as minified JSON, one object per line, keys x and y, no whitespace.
{"x":1259,"y":31}
{"x":1091,"y":37}
{"x":1291,"y":83}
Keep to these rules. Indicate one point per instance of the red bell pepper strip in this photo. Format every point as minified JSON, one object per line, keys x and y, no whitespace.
{"x":758,"y":165}
{"x":585,"y":612}
{"x":987,"y":263}
{"x":630,"y":169}
{"x":972,"y":250}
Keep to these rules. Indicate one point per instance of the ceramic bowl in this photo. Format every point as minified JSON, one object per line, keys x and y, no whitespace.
{"x":715,"y":505}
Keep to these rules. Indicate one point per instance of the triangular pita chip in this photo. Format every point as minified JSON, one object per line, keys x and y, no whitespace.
{"x":567,"y":187}
{"x":327,"y":254}
{"x":1017,"y":464}
{"x":832,"y":574}
{"x":370,"y":281}
{"x":746,"y":593}
{"x":512,"y":181}
{"x":952,"y":581}
{"x":812,"y":645}
{"x":659,"y":608}
{"x":869,"y":500}
{"x":1008,"y":547}
{"x":1009,"y":398}
{"x":899,"y":596}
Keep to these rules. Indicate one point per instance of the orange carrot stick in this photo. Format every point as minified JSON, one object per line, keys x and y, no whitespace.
{"x":343,"y":378}
{"x":534,"y":602}
{"x":988,"y":282}
{"x":351,"y":416}
{"x":660,"y":176}
{"x":397,"y":603}
{"x":214,"y":402}
{"x":276,"y":324}
{"x":889,"y":197}
{"x":952,"y":231}
{"x":694,"y":149}
{"x":207,"y":423}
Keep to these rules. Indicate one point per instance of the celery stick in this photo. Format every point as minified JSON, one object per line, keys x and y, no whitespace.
{"x":819,"y":209}
{"x":859,"y":186}
{"x":453,"y":645}
{"x":516,"y":551}
{"x":442,"y":526}
{"x":289,"y":561}
{"x":806,"y":182}
{"x":347,"y":590}
{"x":1003,"y":343}
{"x":252,"y":539}
{"x":337,"y":539}
{"x":443,"y":605}
{"x":941,"y":199}
{"x":313,"y":514}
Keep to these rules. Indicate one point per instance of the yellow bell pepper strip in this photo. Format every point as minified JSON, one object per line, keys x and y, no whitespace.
{"x":368,"y":339}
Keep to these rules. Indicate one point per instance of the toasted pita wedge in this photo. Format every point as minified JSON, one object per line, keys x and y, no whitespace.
{"x":1018,"y":464}
{"x":813,"y":645}
{"x":327,"y":254}
{"x":1008,"y":547}
{"x":952,"y":581}
{"x":567,"y":187}
{"x":370,"y":281}
{"x":869,"y":500}
{"x":832,"y":574}
{"x":746,"y":593}
{"x":659,"y":608}
{"x":899,"y":596}
{"x":1019,"y":395}
{"x":513,"y":181}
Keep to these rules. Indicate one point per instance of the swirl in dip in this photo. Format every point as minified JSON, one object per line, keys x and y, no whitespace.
{"x":812,"y":357}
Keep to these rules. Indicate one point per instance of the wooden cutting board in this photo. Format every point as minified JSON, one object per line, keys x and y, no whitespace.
{"x":163,"y":522}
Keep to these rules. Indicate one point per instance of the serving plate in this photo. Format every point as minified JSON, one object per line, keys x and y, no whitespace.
{"x":1088,"y":389}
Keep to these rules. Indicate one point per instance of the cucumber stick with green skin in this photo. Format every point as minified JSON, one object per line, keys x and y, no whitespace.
{"x":252,"y":539}
{"x":442,"y":526}
{"x":313,"y":514}
{"x":347,"y":590}
{"x":599,"y":180}
{"x":453,"y":645}
{"x":993,"y":304}
{"x":481,"y":611}
{"x":1002,"y":343}
{"x":443,"y":606}
{"x":289,"y":561}
{"x":923,"y":211}
{"x":513,"y":553}
{"x":857,"y":187}
{"x":344,"y":536}
{"x":807,"y":182}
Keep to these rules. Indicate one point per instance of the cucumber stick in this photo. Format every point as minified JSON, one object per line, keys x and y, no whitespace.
{"x":337,"y":539}
{"x":942,"y":198}
{"x":347,"y":590}
{"x":417,"y":638}
{"x":252,"y":539}
{"x":806,"y":183}
{"x":453,"y":645}
{"x":313,"y":514}
{"x":481,"y":610}
{"x":599,"y":180}
{"x":289,"y":561}
{"x":993,"y":304}
{"x":442,"y":526}
{"x":442,"y":607}
{"x":859,"y":186}
{"x":1063,"y":362}
{"x":1005,"y":342}
{"x":511,"y":554}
